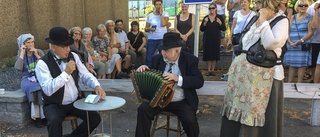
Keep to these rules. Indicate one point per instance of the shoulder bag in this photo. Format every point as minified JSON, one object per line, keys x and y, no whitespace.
{"x":259,"y":56}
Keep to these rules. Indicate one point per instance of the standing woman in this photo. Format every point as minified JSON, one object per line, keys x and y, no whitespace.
{"x":138,"y":41}
{"x":156,"y":27}
{"x":212,"y":25}
{"x":27,"y":59}
{"x":184,"y":25}
{"x":300,"y":33}
{"x":253,"y":102}
{"x":283,"y":8}
{"x":240,"y":19}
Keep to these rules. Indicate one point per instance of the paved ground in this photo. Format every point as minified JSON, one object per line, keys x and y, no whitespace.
{"x":297,"y":114}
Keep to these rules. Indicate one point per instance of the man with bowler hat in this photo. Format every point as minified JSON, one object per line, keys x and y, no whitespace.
{"x":182,"y":68}
{"x":58,"y":73}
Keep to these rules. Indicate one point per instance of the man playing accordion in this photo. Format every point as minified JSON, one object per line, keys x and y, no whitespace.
{"x":182,"y":68}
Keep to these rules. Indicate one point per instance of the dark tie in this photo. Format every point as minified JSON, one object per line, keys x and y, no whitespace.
{"x":61,"y":60}
{"x":170,"y":67}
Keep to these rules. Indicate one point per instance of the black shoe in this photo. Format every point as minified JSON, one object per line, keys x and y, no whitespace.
{"x":122,"y":75}
{"x":212,"y":74}
{"x":44,"y":122}
{"x":66,"y":135}
{"x":39,"y":123}
{"x":208,"y":73}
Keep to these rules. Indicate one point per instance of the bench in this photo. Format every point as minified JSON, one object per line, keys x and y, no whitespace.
{"x":14,"y":109}
{"x":302,"y":91}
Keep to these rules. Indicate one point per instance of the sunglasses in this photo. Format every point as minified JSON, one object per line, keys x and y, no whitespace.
{"x":212,"y":8}
{"x":303,"y":5}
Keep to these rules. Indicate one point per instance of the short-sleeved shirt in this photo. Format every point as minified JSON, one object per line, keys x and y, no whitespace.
{"x":242,"y":20}
{"x":122,"y":38}
{"x":156,"y":20}
{"x":100,"y":44}
{"x":132,"y":38}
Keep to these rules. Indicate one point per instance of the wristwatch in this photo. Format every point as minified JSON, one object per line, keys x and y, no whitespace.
{"x":302,"y":40}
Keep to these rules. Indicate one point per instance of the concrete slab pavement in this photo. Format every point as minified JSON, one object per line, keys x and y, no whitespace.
{"x":296,"y":124}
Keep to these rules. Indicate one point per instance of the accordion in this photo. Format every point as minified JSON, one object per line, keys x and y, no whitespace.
{"x":150,"y":86}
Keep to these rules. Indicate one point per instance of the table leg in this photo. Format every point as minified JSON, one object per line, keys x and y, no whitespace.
{"x":88,"y":123}
{"x":102,"y":124}
{"x":110,"y":120}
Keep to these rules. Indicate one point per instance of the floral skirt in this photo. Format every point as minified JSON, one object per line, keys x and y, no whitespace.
{"x":248,"y":92}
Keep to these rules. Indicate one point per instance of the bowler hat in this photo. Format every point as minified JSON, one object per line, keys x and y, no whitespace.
{"x":170,"y":40}
{"x":59,"y":36}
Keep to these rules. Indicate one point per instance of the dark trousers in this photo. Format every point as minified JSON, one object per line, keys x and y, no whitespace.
{"x":55,"y":115}
{"x":185,"y":113}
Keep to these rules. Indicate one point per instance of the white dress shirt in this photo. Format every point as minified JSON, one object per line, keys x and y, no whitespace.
{"x":50,"y":85}
{"x":178,"y":94}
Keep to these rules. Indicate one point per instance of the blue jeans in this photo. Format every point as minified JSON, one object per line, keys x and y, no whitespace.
{"x":152,"y":45}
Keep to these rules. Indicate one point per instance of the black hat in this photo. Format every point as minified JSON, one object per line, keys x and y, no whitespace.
{"x":170,"y":40}
{"x":59,"y":36}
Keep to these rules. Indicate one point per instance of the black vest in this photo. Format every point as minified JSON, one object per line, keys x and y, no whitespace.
{"x":56,"y":98}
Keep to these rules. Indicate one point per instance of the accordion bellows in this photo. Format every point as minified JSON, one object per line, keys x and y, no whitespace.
{"x":150,"y":86}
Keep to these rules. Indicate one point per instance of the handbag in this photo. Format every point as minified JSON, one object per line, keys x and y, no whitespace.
{"x":259,"y":56}
{"x":236,"y":37}
{"x":304,"y":46}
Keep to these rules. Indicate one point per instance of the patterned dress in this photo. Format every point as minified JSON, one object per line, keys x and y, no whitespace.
{"x":294,"y":56}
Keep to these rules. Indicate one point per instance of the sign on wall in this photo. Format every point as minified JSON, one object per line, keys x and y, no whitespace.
{"x":197,"y":1}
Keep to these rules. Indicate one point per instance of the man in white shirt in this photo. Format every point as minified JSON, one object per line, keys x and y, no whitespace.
{"x":124,"y":42}
{"x":58,"y":73}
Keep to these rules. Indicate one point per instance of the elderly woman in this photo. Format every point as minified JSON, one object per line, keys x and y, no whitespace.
{"x":93,"y":60}
{"x":300,"y":33}
{"x":253,"y":102}
{"x":78,"y":47}
{"x":212,"y":25}
{"x":115,"y":45}
{"x":105,"y":54}
{"x":137,"y":40}
{"x":26,"y":62}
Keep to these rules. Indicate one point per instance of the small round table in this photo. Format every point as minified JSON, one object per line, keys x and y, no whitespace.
{"x":109,"y":103}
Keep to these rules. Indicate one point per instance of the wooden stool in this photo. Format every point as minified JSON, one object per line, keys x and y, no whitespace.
{"x":167,"y":125}
{"x":73,"y":121}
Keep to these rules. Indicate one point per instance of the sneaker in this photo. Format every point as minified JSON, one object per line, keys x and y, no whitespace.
{"x":222,"y":49}
{"x":224,"y":77}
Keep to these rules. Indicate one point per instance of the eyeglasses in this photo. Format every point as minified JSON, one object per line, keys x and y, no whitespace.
{"x":303,"y":5}
{"x":212,"y":8}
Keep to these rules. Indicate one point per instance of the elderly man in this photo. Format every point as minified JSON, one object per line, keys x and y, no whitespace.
{"x":58,"y":73}
{"x":185,"y":73}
